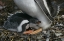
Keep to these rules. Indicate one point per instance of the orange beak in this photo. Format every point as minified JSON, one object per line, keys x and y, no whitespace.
{"x":28,"y":32}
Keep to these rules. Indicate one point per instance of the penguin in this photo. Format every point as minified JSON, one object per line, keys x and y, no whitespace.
{"x":19,"y":22}
{"x":31,"y":8}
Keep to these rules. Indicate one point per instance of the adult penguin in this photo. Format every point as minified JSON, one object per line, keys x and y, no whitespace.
{"x":33,"y":9}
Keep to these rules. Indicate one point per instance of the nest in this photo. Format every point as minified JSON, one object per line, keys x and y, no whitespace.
{"x":6,"y":35}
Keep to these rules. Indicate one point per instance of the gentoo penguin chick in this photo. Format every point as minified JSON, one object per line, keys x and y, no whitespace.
{"x":19,"y":22}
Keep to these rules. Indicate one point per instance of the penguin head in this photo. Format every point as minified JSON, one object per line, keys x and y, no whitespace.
{"x":34,"y":23}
